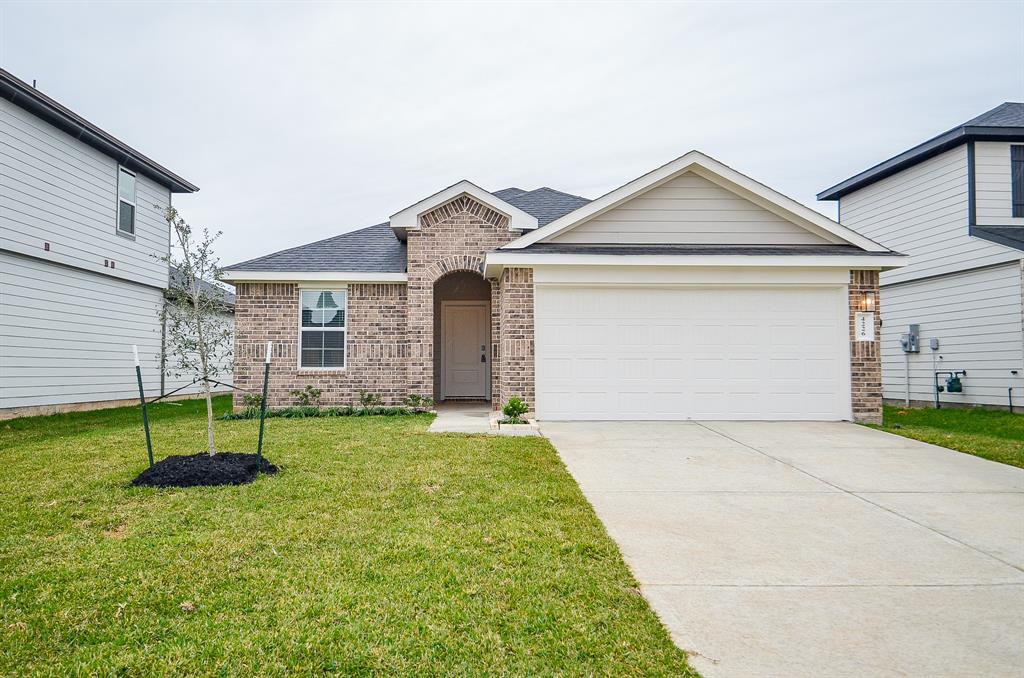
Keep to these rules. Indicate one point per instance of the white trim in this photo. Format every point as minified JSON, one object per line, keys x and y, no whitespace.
{"x":409,"y":218}
{"x":710,"y":169}
{"x":344,"y":346}
{"x":496,"y":261}
{"x":337,"y":277}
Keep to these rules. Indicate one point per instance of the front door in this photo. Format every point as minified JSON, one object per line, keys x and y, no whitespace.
{"x":464,"y":339}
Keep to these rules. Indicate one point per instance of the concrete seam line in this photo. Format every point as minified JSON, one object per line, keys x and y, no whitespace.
{"x":863,"y":499}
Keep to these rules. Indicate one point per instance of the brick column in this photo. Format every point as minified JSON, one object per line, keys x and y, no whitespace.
{"x":517,"y":339}
{"x":865,"y":356}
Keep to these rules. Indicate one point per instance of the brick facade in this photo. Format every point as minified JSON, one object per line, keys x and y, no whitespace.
{"x":865,"y":356}
{"x":516,"y":341}
{"x":453,"y":237}
{"x":377,"y":347}
{"x":390,"y":342}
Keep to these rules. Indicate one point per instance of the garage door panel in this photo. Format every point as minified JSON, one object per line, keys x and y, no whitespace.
{"x":690,"y":353}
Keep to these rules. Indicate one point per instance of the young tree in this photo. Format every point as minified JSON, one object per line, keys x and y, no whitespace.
{"x":197,"y":333}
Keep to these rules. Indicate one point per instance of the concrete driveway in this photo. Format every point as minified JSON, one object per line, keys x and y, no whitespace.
{"x":812,"y":549}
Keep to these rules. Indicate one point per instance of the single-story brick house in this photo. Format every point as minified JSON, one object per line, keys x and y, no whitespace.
{"x":692,"y":292}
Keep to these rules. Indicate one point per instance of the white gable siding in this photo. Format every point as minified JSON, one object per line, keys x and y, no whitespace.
{"x":55,"y":189}
{"x":689,"y":209}
{"x":922,"y":212}
{"x":993,"y":205}
{"x":976,"y":316}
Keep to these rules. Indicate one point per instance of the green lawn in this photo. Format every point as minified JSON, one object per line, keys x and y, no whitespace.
{"x":379,"y":549}
{"x":991,"y":434}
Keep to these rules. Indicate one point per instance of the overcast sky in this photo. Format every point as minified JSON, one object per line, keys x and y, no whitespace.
{"x":302,"y":121}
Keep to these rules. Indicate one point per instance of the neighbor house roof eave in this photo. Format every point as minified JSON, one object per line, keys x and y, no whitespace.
{"x":920,"y":153}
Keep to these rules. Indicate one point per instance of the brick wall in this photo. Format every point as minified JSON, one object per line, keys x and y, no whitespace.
{"x":516,"y":339}
{"x":377,"y":349}
{"x":452,"y":237}
{"x":865,"y":356}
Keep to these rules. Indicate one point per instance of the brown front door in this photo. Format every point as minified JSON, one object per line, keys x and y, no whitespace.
{"x":464,"y":338}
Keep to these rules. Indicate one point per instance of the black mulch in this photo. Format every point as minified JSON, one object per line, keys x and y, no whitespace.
{"x":223,"y":468}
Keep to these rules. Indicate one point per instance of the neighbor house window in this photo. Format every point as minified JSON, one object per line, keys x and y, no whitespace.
{"x":125,"y":202}
{"x":1017,"y":179}
{"x":322,"y":334}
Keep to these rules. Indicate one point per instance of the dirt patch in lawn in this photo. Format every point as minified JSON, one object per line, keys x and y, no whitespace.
{"x":223,"y":468}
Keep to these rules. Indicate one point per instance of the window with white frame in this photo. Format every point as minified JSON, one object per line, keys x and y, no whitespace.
{"x":322,"y":331}
{"x":125,"y":202}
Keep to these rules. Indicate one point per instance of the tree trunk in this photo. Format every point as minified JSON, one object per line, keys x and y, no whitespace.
{"x":209,"y":418}
{"x":206,"y":388}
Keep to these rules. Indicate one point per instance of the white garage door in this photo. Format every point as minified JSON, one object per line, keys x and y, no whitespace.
{"x":692,"y":353}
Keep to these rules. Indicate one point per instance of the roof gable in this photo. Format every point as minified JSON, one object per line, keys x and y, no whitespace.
{"x":409,"y":218}
{"x":785,"y":211}
{"x":690,"y":209}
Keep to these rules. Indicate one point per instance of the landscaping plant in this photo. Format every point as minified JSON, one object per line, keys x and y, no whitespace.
{"x":369,"y":401}
{"x":514,"y":410}
{"x":198,"y":336}
{"x":419,"y":403}
{"x":252,"y":405}
{"x":307,"y":397}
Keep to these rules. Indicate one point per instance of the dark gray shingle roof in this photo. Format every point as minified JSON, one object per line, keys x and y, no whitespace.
{"x":377,"y":250}
{"x":227,"y":295}
{"x":371,"y":250}
{"x":1005,"y":122}
{"x":545,"y":203}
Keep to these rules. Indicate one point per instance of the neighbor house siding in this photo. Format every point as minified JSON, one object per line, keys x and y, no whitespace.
{"x":376,"y":345}
{"x":922,"y":212}
{"x":689,"y":209}
{"x":66,"y":335}
{"x":55,"y":189}
{"x":976,"y":316}
{"x":992,"y":184}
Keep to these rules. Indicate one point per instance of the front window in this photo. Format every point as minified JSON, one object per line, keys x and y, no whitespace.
{"x":125,"y":202}
{"x":322,"y":334}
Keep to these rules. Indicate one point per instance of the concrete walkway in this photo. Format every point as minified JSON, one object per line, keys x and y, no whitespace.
{"x":462,"y":417}
{"x":812,"y":549}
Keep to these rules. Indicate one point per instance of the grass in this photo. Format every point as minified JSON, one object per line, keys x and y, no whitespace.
{"x":379,"y":549}
{"x":991,"y":434}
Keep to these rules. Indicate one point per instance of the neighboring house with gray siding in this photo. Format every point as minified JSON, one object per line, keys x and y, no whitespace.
{"x":955,"y":204}
{"x":82,"y":234}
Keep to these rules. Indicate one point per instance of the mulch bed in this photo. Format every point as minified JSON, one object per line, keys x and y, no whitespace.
{"x":223,"y":468}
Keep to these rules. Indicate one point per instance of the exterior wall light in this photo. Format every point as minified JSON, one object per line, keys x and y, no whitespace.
{"x":867,"y":302}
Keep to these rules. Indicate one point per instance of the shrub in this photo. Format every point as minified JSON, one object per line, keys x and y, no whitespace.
{"x":418,"y":403}
{"x":514,"y":410}
{"x":307,"y":397}
{"x":298,"y":412}
{"x":369,"y":400}
{"x":252,"y":405}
